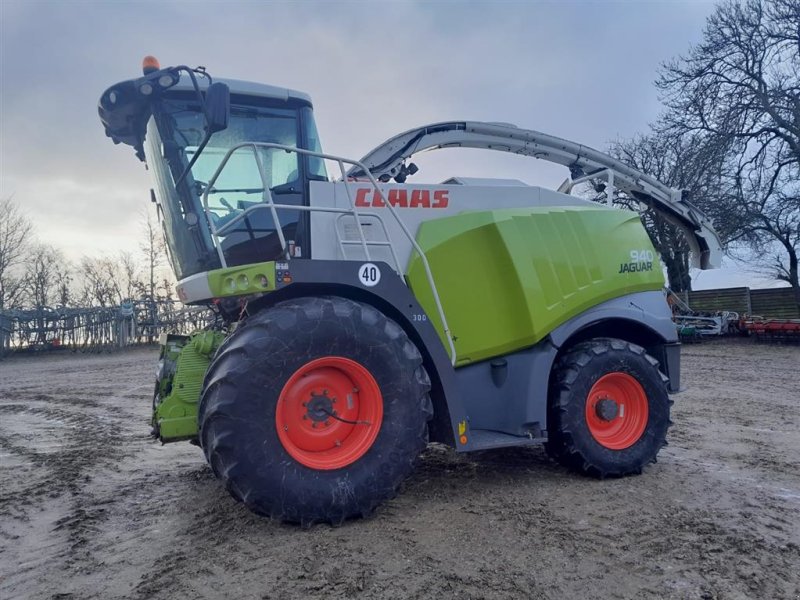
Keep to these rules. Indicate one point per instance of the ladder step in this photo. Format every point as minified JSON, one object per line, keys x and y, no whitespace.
{"x":483,"y":439}
{"x":369,"y":243}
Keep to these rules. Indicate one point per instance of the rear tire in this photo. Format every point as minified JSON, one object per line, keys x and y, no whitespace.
{"x":608,"y":409}
{"x":315,"y":410}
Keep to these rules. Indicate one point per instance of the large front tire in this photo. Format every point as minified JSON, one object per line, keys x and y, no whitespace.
{"x":315,"y":410}
{"x":608,"y":409}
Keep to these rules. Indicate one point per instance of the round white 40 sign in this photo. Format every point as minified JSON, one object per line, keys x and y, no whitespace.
{"x":369,"y":274}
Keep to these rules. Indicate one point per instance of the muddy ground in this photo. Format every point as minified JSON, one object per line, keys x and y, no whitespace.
{"x":91,"y":507}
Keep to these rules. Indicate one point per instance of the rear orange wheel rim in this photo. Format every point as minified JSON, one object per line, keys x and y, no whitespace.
{"x":617,"y":411}
{"x":329,"y":413}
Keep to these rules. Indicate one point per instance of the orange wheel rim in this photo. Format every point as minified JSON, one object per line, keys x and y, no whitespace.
{"x":329,"y":413}
{"x":616,"y":411}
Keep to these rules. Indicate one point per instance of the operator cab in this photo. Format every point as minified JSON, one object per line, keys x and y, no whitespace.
{"x":168,"y":127}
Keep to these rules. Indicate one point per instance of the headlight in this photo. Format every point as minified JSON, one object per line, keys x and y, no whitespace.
{"x":166,"y":81}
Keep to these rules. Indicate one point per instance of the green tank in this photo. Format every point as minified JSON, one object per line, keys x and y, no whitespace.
{"x":507,"y":278}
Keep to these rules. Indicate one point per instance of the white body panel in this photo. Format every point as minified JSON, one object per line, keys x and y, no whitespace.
{"x":413,"y":204}
{"x":194,"y":288}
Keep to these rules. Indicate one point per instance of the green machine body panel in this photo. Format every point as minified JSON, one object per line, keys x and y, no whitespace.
{"x":506,"y":278}
{"x":183,"y":364}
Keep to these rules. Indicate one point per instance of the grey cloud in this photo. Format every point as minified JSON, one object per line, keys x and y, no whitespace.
{"x":578,"y":70}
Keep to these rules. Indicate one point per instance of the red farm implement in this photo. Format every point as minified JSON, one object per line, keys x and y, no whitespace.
{"x":778,"y":330}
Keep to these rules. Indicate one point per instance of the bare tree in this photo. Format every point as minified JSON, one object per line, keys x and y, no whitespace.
{"x":741,"y":87}
{"x":688,"y":162}
{"x":64,"y":296}
{"x":127,"y":270}
{"x":46,"y":270}
{"x":96,"y":289}
{"x":16,"y":234}
{"x":153,"y":250}
{"x":110,"y":280}
{"x":166,"y":289}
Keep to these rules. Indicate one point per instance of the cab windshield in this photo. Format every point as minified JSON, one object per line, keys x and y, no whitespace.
{"x":180,"y":131}
{"x":240,"y":178}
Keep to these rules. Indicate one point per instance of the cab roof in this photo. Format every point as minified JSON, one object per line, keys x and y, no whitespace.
{"x":246,"y":88}
{"x":124,"y":110}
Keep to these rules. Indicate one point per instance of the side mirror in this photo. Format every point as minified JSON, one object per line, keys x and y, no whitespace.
{"x":218,"y":107}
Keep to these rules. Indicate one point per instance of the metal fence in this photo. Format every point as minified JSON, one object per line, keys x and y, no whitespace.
{"x":139,"y":322}
{"x":774,"y":303}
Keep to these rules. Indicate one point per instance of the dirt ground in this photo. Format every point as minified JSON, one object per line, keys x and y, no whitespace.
{"x":91,"y":507}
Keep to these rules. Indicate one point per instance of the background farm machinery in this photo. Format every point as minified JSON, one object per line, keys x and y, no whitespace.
{"x":695,"y":324}
{"x":96,"y":327}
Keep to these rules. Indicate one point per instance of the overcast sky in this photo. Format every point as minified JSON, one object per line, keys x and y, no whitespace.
{"x":579,"y":70}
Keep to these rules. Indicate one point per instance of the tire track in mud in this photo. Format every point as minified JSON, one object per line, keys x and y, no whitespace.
{"x":334,"y":562}
{"x":65,"y":440}
{"x":715,"y":518}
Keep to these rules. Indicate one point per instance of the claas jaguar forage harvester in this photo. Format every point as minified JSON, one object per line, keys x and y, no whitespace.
{"x":360,"y":317}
